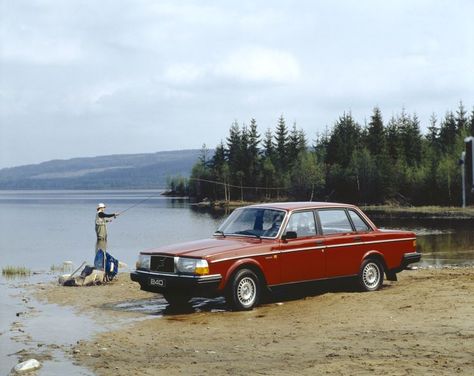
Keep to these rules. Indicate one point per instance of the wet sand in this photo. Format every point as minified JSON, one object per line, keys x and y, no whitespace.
{"x":422,"y":324}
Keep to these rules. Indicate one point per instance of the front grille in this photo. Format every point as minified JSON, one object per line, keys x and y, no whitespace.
{"x":162,"y":264}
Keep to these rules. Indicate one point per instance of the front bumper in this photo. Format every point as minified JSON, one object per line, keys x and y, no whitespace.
{"x":169,"y":282}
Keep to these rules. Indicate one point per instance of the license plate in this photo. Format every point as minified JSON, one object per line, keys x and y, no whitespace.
{"x":157,"y":282}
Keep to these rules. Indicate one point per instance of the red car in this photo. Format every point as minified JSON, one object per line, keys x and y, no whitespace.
{"x":261,"y":247}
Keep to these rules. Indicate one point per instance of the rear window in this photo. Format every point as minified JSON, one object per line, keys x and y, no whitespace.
{"x":358,"y":222}
{"x":334,"y":221}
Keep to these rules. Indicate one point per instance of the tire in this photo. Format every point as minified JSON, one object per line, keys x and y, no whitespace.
{"x":176,"y":300}
{"x":244,"y":290}
{"x":371,"y":275}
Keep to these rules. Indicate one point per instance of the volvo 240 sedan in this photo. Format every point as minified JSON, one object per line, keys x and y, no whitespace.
{"x":261,"y":247}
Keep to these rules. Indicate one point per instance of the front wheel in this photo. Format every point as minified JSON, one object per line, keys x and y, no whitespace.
{"x":371,"y":275}
{"x":244,"y":290}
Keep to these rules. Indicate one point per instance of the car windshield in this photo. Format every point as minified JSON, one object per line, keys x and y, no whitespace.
{"x":258,"y":222}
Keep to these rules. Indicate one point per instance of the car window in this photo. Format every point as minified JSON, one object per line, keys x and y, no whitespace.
{"x":358,"y":222}
{"x":253,"y":222}
{"x":334,"y":221}
{"x":302,"y":223}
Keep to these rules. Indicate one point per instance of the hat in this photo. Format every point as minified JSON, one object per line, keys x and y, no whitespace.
{"x":101,"y":206}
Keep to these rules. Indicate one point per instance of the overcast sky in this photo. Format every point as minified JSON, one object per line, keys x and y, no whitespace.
{"x":85,"y":78}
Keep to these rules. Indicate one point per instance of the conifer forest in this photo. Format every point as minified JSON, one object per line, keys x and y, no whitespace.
{"x":382,"y":161}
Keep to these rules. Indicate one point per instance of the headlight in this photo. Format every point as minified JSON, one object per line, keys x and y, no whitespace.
{"x":191,"y":266}
{"x":143,"y":262}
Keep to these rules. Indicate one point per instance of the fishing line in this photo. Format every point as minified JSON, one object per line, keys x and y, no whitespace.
{"x":206,"y":181}
{"x":139,"y":202}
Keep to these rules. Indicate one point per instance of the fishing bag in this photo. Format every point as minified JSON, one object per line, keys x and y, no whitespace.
{"x":111,"y":264}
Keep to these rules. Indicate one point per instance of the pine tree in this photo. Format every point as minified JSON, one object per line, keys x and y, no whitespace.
{"x":244,"y":155}
{"x":344,"y":139}
{"x":281,"y":145}
{"x":296,"y":145}
{"x":461,"y":118}
{"x":254,"y":153}
{"x":433,"y":132}
{"x":204,"y":155}
{"x":268,"y":148}
{"x":448,"y":132}
{"x":376,"y":138}
{"x":411,"y":138}
{"x":394,"y":143}
{"x":234,"y":148}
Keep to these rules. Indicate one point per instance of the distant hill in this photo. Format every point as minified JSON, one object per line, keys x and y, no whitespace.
{"x":125,"y":171}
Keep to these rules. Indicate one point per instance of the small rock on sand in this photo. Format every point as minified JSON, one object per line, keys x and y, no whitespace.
{"x":26,"y":366}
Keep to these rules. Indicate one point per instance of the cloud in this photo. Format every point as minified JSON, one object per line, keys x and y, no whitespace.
{"x":33,"y":49}
{"x":257,"y":64}
{"x":183,"y":73}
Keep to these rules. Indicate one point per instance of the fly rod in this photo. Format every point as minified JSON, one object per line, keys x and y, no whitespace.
{"x":138,"y":203}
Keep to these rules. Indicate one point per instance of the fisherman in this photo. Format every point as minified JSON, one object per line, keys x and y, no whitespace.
{"x":101,"y":219}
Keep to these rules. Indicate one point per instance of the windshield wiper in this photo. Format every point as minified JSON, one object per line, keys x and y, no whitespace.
{"x":249,"y":233}
{"x":219,"y":232}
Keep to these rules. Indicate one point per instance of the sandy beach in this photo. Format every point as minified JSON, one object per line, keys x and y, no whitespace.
{"x":422,"y":324}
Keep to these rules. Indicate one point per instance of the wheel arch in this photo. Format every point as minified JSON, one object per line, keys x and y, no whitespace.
{"x":375,"y":255}
{"x":247,"y":263}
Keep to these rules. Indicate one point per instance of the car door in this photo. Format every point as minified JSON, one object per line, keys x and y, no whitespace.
{"x":302,"y":257}
{"x":345,"y":247}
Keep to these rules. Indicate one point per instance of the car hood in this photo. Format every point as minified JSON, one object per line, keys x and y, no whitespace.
{"x":209,"y":247}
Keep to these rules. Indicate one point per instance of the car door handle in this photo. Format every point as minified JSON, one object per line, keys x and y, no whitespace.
{"x":319,"y":242}
{"x":358,"y":239}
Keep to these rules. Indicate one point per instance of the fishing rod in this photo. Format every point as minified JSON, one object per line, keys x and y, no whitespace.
{"x":138,"y":203}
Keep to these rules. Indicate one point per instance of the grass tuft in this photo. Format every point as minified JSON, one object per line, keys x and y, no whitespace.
{"x":13,"y":271}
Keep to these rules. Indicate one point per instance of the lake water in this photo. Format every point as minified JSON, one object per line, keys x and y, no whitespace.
{"x":45,"y":228}
{"x":39,"y":229}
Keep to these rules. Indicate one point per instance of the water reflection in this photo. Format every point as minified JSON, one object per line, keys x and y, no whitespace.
{"x":214,"y":213}
{"x":441,"y":241}
{"x":158,"y":306}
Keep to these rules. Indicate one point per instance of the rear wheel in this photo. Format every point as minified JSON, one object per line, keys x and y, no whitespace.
{"x":371,"y":275}
{"x":177,"y":300}
{"x":244,"y":290}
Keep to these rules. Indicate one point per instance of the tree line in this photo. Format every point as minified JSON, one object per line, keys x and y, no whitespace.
{"x":378,"y":162}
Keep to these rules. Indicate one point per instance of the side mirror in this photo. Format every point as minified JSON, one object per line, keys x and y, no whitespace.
{"x":289,"y":235}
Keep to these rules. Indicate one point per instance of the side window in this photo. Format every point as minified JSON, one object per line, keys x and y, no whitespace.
{"x":334,"y":221}
{"x":302,"y":223}
{"x":358,"y":222}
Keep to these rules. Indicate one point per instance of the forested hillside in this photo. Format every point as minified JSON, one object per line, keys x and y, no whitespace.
{"x":378,"y":162}
{"x":104,"y":172}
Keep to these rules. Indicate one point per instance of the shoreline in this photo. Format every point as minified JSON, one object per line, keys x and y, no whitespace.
{"x":421,"y":324}
{"x":420,"y":212}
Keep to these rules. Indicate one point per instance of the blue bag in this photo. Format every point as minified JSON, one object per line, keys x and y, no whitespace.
{"x":111,"y":264}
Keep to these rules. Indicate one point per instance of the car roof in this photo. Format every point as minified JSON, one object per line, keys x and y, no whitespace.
{"x":289,"y":206}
